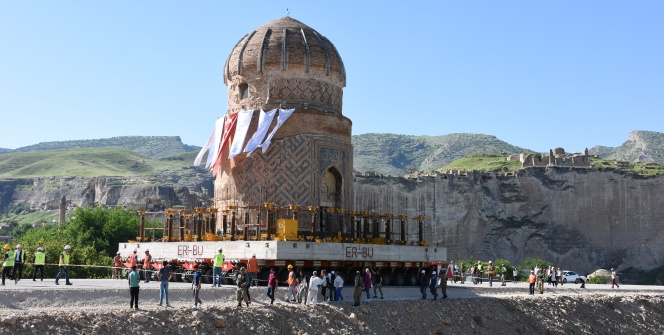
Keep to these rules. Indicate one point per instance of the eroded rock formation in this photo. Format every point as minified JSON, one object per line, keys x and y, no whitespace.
{"x":579,"y":219}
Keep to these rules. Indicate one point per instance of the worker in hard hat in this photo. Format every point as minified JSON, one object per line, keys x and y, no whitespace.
{"x":133,"y":260}
{"x":117,"y":265}
{"x":252,"y":270}
{"x":252,"y":273}
{"x":19,"y":259}
{"x":292,"y":284}
{"x":217,"y":267}
{"x":147,"y":264}
{"x":64,"y":266}
{"x":40,"y":260}
{"x":8,"y":264}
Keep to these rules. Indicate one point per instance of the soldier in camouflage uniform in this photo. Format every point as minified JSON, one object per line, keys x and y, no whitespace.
{"x":540,"y":281}
{"x":242,"y":281}
{"x":359,"y":285}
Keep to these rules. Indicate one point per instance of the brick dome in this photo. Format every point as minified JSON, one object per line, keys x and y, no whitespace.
{"x":285,"y":53}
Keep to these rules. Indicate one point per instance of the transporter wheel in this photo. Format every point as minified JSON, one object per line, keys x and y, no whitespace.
{"x":577,"y":280}
{"x":207,"y":276}
{"x":263,"y":276}
{"x":188,"y":276}
{"x":282,"y":276}
{"x":178,"y":275}
{"x":565,"y":281}
{"x":398,"y":279}
{"x":153,"y":274}
{"x":387,"y":279}
{"x":411,"y":279}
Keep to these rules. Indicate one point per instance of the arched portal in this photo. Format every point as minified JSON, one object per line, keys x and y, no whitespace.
{"x":330,"y":188}
{"x":330,"y":197}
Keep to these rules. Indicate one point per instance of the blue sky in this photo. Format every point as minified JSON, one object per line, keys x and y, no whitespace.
{"x":536,"y":74}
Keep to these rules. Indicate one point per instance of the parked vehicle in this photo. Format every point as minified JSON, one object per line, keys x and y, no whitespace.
{"x":570,"y":276}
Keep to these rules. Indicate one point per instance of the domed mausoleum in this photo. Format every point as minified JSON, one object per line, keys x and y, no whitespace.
{"x":287,"y":64}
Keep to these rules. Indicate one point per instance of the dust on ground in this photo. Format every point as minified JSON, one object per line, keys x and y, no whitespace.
{"x":102,"y":307}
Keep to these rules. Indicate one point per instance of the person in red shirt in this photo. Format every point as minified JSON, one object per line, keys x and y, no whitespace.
{"x":271,"y":286}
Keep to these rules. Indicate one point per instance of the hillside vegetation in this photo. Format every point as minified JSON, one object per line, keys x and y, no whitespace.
{"x":154,"y":147}
{"x":399,"y":154}
{"x":389,"y":154}
{"x":86,"y":162}
{"x":483,"y":162}
{"x":641,"y":146}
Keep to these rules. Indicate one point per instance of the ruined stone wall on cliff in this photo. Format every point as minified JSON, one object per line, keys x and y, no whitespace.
{"x":579,"y":219}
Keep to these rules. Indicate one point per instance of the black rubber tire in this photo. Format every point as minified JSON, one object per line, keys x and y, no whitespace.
{"x":411,"y":279}
{"x":188,"y":276}
{"x":207,"y":276}
{"x":179,"y":275}
{"x":398,"y":279}
{"x":387,"y":279}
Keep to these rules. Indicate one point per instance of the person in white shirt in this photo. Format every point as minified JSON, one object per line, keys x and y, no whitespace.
{"x":338,"y":285}
{"x":314,"y":282}
{"x":613,"y":279}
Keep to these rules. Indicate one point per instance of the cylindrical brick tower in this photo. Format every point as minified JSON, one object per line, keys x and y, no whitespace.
{"x":287,"y":64}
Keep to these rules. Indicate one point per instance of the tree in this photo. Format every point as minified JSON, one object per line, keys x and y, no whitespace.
{"x":94,"y":235}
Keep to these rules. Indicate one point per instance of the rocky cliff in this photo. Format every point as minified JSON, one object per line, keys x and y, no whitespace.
{"x":166,"y":189}
{"x":580,"y":219}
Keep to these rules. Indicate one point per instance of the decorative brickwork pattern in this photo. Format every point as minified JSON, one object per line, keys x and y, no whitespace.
{"x":331,"y":157}
{"x":289,"y":173}
{"x":306,"y":90}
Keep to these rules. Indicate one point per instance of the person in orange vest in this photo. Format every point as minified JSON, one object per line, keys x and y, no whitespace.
{"x":147,"y":263}
{"x":292,"y":284}
{"x":252,"y":269}
{"x":117,"y":265}
{"x":252,"y":273}
{"x":531,"y":281}
{"x":132,"y":259}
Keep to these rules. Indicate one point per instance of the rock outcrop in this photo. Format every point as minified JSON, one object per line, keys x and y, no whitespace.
{"x":579,"y":219}
{"x":167,"y":190}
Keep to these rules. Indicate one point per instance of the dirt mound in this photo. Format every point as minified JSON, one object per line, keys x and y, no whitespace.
{"x":597,"y":314}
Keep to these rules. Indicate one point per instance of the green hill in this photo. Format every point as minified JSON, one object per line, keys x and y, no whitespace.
{"x":398,"y":154}
{"x":154,"y":147}
{"x":85,"y":162}
{"x":641,"y":146}
{"x":4,"y":150}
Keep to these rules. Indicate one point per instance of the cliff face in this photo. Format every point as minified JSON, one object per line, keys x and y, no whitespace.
{"x":579,"y":219}
{"x":138,"y":192}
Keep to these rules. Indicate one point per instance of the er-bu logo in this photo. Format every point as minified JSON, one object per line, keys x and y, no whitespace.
{"x":190,"y":250}
{"x":359,"y":252}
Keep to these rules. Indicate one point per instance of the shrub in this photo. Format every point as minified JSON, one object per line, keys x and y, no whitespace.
{"x":599,"y":280}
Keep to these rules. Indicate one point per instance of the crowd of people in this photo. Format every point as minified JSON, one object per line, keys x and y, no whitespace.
{"x":301,"y":287}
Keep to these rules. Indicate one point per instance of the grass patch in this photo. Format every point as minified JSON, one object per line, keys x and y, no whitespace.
{"x":484,"y":163}
{"x":86,"y":162}
{"x":639,"y":168}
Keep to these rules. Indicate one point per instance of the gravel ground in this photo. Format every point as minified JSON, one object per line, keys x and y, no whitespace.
{"x":101,"y":306}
